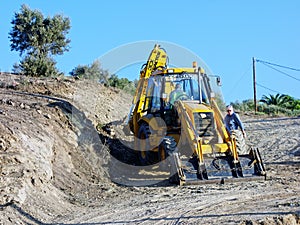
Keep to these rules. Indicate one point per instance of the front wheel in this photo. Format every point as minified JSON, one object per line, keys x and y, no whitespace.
{"x":167,"y":147}
{"x":144,"y":144}
{"x":241,"y":146}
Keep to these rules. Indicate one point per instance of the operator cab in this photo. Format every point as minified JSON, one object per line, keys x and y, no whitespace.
{"x":161,"y":88}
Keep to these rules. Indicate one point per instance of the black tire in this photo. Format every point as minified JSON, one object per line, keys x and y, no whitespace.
{"x":167,"y":147}
{"x":144,"y":145}
{"x":174,"y":175}
{"x":241,"y":146}
{"x":202,"y":172}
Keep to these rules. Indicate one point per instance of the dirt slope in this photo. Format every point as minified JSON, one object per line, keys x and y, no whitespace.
{"x":52,"y":159}
{"x":55,"y":167}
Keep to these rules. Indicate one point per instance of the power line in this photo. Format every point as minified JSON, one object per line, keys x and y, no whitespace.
{"x":271,"y":66}
{"x":274,"y":64}
{"x":243,"y":75}
{"x":267,"y":64}
{"x":267,"y":88}
{"x":239,"y":80}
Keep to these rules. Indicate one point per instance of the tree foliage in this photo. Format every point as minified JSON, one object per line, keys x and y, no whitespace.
{"x":39,"y":39}
{"x":245,"y":105}
{"x":278,"y":104}
{"x":220,"y":101}
{"x":91,"y":72}
{"x":96,"y":73}
{"x":278,"y":99}
{"x":122,"y":83}
{"x":37,"y":66}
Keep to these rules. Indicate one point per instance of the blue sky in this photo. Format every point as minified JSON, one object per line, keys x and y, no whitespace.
{"x":224,"y":34}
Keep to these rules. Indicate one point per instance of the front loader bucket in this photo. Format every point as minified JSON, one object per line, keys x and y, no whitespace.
{"x":252,"y":164}
{"x":221,"y":168}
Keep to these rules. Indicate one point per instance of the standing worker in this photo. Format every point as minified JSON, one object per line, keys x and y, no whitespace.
{"x":233,"y":121}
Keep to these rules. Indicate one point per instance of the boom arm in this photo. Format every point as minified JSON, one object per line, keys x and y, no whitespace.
{"x":157,"y":60}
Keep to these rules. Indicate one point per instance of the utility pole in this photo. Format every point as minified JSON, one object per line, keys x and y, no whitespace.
{"x":254,"y":85}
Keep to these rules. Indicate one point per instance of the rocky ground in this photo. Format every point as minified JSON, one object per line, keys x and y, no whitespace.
{"x":56,"y":166}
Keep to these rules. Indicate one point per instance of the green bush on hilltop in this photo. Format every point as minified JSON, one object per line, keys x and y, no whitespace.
{"x":96,"y":73}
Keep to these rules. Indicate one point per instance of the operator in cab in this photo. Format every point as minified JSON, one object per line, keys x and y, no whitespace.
{"x":176,"y":94}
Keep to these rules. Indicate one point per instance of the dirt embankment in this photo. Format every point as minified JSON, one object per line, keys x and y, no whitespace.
{"x":54,"y":164}
{"x":52,"y":159}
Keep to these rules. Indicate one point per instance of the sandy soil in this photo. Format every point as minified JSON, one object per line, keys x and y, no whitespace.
{"x":56,"y":166}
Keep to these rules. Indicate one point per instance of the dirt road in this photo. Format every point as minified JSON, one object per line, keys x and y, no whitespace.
{"x":272,"y":201}
{"x":56,"y":167}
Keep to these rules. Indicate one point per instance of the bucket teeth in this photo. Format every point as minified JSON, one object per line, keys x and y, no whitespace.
{"x":223,"y":168}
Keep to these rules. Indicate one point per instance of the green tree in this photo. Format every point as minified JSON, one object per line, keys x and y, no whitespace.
{"x":291,"y":103}
{"x":122,"y":83}
{"x":278,"y":99}
{"x":38,"y":66}
{"x":39,"y":39}
{"x":245,"y":105}
{"x":280,"y":103}
{"x":95,"y":72}
{"x":16,"y":68}
{"x":113,"y":81}
{"x":220,"y":102}
{"x":296,"y":104}
{"x":91,"y":72}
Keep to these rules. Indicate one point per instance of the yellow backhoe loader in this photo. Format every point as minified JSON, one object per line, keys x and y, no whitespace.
{"x":176,"y":121}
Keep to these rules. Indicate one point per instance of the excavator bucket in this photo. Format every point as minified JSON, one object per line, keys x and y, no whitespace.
{"x":218,"y":169}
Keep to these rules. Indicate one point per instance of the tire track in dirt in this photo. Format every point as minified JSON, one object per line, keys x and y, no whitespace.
{"x":189,"y":205}
{"x":222,"y":204}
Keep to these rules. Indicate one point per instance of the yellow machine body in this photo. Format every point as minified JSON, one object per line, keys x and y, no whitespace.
{"x":190,"y":133}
